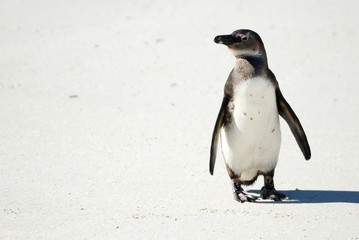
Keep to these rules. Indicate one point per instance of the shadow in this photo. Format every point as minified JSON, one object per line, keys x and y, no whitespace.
{"x":315,"y":196}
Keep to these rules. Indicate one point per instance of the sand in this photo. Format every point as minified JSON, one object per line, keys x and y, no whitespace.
{"x":107,"y":111}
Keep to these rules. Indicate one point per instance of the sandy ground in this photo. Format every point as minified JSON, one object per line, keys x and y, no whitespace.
{"x":107,"y":111}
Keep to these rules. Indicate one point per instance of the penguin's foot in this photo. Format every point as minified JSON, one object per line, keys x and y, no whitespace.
{"x":242,"y":197}
{"x":272,"y":194}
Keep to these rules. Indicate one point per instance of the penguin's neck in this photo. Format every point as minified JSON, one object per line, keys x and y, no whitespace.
{"x":251,"y":65}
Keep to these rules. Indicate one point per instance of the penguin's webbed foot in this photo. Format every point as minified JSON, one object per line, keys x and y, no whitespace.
{"x":242,"y":197}
{"x":272,"y":194}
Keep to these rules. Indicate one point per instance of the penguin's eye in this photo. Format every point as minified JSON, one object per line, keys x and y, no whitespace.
{"x":244,"y":38}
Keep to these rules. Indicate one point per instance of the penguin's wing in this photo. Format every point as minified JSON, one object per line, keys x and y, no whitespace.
{"x":216,"y":132}
{"x":286,"y":112}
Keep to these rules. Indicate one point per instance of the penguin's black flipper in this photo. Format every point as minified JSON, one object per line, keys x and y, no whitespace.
{"x":286,"y":112}
{"x":216,"y":132}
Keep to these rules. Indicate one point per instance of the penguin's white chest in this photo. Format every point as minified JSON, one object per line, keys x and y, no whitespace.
{"x":251,"y":141}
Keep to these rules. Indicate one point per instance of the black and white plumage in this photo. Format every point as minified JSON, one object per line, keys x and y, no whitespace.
{"x":248,"y":121}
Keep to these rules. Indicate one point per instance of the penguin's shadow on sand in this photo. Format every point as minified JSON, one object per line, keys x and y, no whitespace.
{"x":316,"y":196}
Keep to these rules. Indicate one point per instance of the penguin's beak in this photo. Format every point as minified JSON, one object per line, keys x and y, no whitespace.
{"x":225,"y":39}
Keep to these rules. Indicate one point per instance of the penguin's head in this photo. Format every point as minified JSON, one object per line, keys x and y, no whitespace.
{"x":243,"y":43}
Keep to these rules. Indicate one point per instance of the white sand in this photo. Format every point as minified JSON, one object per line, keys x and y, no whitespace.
{"x":107,"y":111}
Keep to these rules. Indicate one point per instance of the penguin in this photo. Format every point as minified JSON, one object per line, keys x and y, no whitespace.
{"x":248,"y":120}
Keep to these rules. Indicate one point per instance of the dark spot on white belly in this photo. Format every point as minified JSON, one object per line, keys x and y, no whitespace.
{"x":251,"y":118}
{"x":273,"y":129}
{"x":245,"y":114}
